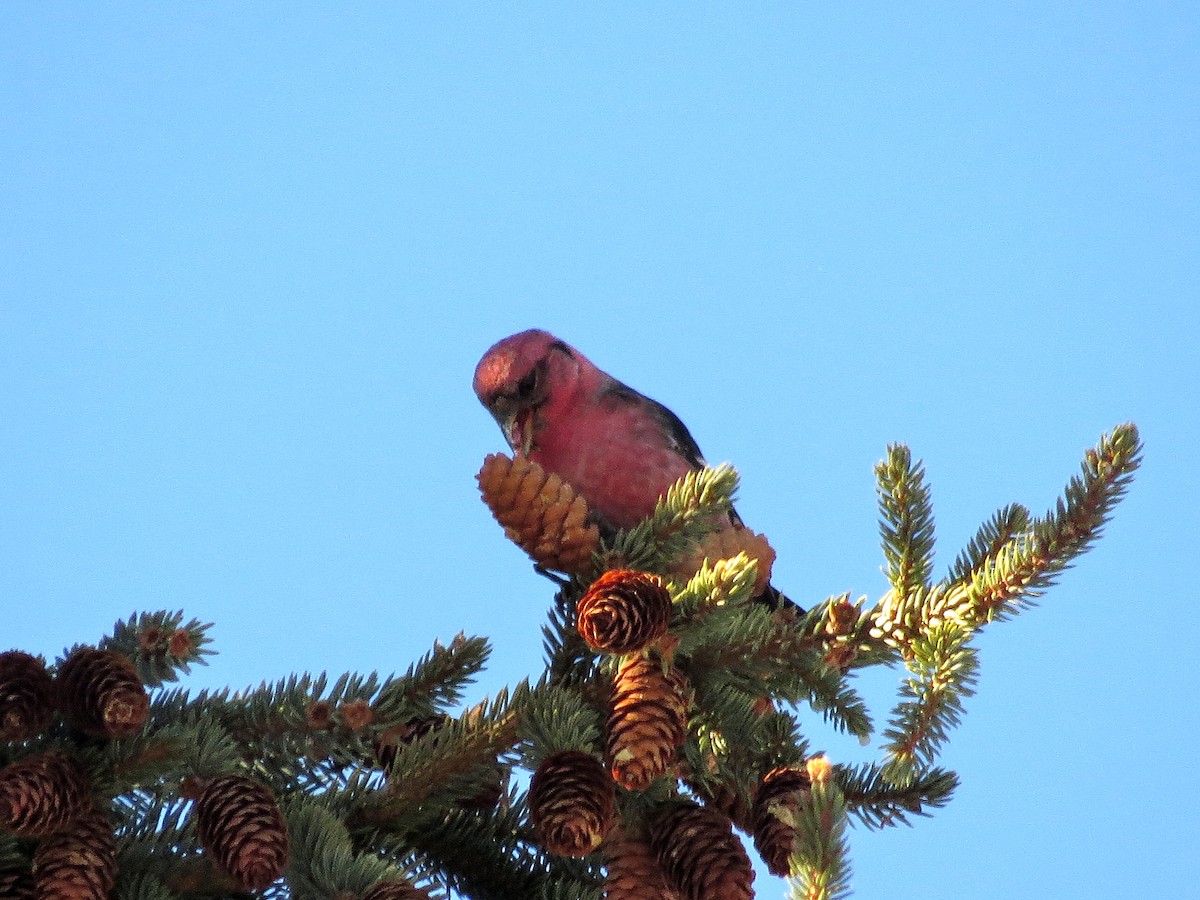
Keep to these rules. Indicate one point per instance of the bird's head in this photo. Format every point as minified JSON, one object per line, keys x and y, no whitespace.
{"x":522,"y":374}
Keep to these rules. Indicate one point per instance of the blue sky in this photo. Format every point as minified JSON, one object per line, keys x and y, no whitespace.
{"x":249,"y":257}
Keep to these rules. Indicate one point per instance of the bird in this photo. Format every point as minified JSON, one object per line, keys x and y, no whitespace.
{"x":615,"y":446}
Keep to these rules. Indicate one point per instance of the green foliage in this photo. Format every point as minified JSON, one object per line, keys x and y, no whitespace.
{"x":390,"y":778}
{"x":906,"y":521}
{"x":878,"y":802}
{"x":161,"y":645}
{"x":944,"y":669}
{"x":820,"y":865}
{"x":691,"y":509}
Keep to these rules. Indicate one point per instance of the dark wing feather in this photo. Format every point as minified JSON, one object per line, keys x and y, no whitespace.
{"x":681,"y":439}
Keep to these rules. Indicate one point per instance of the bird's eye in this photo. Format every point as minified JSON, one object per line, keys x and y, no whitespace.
{"x":528,"y":385}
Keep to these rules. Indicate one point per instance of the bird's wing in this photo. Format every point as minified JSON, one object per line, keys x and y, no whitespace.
{"x":676,"y":432}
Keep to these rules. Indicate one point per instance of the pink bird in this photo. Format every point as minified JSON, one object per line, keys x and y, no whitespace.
{"x":618,"y":448}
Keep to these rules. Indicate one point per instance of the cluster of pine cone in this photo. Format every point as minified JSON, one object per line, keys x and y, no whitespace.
{"x":47,"y":796}
{"x":685,"y":851}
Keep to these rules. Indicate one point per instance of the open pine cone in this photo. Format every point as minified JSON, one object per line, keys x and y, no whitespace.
{"x":26,"y":696}
{"x":647,"y":721}
{"x":79,"y":862}
{"x":41,"y":794}
{"x":623,"y":611}
{"x":701,"y":855}
{"x":540,"y":513}
{"x":725,"y":544}
{"x":571,"y":802}
{"x":240,"y":824}
{"x":100,"y":693}
{"x":780,"y":793}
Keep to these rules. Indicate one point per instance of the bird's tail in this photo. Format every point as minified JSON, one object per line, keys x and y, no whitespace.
{"x":774,"y":599}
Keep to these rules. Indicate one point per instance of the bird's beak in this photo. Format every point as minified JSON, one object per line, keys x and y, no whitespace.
{"x":518,"y":431}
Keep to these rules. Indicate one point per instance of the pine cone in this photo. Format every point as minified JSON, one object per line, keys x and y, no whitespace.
{"x":633,"y":872}
{"x":239,"y":823}
{"x":100,"y":693}
{"x":26,"y":697}
{"x":647,"y":721}
{"x":16,"y":884}
{"x":623,"y":611}
{"x":79,"y":862}
{"x":40,"y":794}
{"x":697,"y":849}
{"x":726,"y":544}
{"x":540,"y":513}
{"x":394,"y":890}
{"x":571,"y":802}
{"x":780,"y":794}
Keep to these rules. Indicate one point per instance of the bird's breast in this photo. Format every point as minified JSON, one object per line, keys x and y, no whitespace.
{"x":619,"y":464}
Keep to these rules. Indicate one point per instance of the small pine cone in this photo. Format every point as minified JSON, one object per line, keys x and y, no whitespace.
{"x":632,"y":869}
{"x":623,"y":611}
{"x":571,"y":803}
{"x":647,"y":721}
{"x":726,"y":544}
{"x":41,"y":794}
{"x":773,"y":818}
{"x":394,"y":890}
{"x":79,"y":862}
{"x":842,"y":618}
{"x":702,"y":857}
{"x":540,"y":512}
{"x":239,"y":823}
{"x":26,"y":697}
{"x":100,"y":693}
{"x":16,"y":884}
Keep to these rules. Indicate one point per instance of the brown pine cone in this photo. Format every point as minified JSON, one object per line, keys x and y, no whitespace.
{"x":100,"y":693}
{"x":239,"y":823}
{"x":394,"y":890}
{"x":571,"y":803}
{"x":647,"y":721}
{"x":726,"y":544}
{"x":780,"y":794}
{"x":633,"y":872}
{"x":697,"y":849}
{"x":623,"y":611}
{"x":41,"y":794}
{"x":16,"y":884}
{"x":26,"y":697}
{"x":79,"y":862}
{"x":540,"y":513}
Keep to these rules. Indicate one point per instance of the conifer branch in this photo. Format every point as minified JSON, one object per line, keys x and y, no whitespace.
{"x":692,"y":507}
{"x":442,"y":765}
{"x":488,"y":857}
{"x":569,"y":660}
{"x":553,"y":719}
{"x":945,"y":667}
{"x":820,"y":866}
{"x":718,"y":583}
{"x":160,"y":644}
{"x":878,"y":802}
{"x":993,"y":535}
{"x":380,"y":785}
{"x":906,"y":521}
{"x":1030,"y":562}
